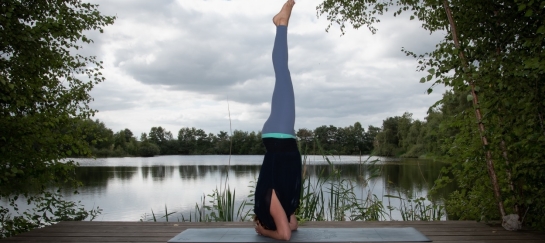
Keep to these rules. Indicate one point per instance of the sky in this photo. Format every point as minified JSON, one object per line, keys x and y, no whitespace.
{"x":207,"y":64}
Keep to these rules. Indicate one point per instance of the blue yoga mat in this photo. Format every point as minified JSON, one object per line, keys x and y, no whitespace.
{"x":407,"y":234}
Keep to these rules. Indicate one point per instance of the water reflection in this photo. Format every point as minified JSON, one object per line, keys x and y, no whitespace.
{"x":129,"y":187}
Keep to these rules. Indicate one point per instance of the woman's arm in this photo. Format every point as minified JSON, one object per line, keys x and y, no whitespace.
{"x":283,"y":227}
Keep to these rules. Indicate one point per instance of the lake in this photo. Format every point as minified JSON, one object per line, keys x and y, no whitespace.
{"x":128,"y":189}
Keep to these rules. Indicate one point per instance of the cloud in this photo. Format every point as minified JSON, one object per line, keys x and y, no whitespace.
{"x":177,"y":63}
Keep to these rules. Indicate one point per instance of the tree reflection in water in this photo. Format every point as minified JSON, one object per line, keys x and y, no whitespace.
{"x":126,"y":192}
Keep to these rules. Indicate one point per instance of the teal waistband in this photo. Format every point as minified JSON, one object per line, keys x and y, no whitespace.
{"x":277,"y":135}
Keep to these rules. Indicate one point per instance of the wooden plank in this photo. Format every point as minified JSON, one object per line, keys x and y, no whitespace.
{"x":439,"y":232}
{"x":489,"y":241}
{"x":94,"y":239}
{"x":322,"y":223}
{"x":155,"y":234}
{"x":484,"y":237}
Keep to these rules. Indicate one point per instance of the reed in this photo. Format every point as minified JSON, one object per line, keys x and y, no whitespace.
{"x":418,"y":209}
{"x":223,"y":206}
{"x":326,"y":197}
{"x":331,"y":197}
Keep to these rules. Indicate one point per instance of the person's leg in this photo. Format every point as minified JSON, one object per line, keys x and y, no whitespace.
{"x":282,"y":117}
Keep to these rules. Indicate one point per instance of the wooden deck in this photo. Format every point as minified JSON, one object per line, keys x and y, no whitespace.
{"x":439,"y":232}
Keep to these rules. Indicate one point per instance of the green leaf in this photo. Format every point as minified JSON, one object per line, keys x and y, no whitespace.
{"x":41,"y":112}
{"x":430,"y":90}
{"x":469,"y":97}
{"x":541,"y":29}
{"x":422,"y":80}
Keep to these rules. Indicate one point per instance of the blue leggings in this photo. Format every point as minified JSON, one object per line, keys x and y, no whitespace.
{"x":282,"y":117}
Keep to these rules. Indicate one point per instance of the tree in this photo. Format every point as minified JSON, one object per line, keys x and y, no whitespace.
{"x":493,"y":53}
{"x":99,"y":138}
{"x":387,"y":140}
{"x":369,"y":138}
{"x":125,"y":144}
{"x":186,"y":140}
{"x":202,"y":143}
{"x":350,"y":139}
{"x":306,"y":141}
{"x":241,"y":142}
{"x":163,"y":139}
{"x":404,"y":125}
{"x":327,"y":138}
{"x":128,"y":135}
{"x":413,"y":143}
{"x":143,"y":137}
{"x":95,"y":133}
{"x":148,"y":149}
{"x":44,"y":91}
{"x":223,"y":143}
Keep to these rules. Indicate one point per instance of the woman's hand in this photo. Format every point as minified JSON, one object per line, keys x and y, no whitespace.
{"x":259,"y":228}
{"x":293,"y":222}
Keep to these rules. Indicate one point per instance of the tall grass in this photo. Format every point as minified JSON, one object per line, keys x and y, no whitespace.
{"x":331,"y":197}
{"x":221,"y":208}
{"x":326,"y":197}
{"x":417,"y":208}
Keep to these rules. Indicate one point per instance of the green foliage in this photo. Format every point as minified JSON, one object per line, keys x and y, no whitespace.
{"x":124,"y":144}
{"x":96,"y":134}
{"x":44,"y":94}
{"x":148,"y":149}
{"x":351,"y":140}
{"x":247,"y":143}
{"x":401,"y":136}
{"x":163,"y":139}
{"x":48,"y":208}
{"x":196,"y":141}
{"x":499,"y":65}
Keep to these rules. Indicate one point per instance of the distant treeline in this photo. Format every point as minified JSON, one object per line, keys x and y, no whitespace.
{"x":193,"y":141}
{"x":399,"y":136}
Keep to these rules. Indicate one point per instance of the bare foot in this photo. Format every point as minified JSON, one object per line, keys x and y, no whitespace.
{"x":283,"y":17}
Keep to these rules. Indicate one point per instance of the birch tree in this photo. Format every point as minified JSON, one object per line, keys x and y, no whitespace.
{"x":493,"y":51}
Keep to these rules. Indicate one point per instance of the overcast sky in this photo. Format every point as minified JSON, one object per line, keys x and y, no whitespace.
{"x":180,"y":63}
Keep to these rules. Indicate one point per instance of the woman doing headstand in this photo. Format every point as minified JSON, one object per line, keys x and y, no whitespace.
{"x":278,"y":187}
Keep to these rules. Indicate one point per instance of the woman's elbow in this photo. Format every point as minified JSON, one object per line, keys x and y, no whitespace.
{"x":285,"y":235}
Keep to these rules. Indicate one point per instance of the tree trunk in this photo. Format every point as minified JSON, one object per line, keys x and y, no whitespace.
{"x":489,"y":161}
